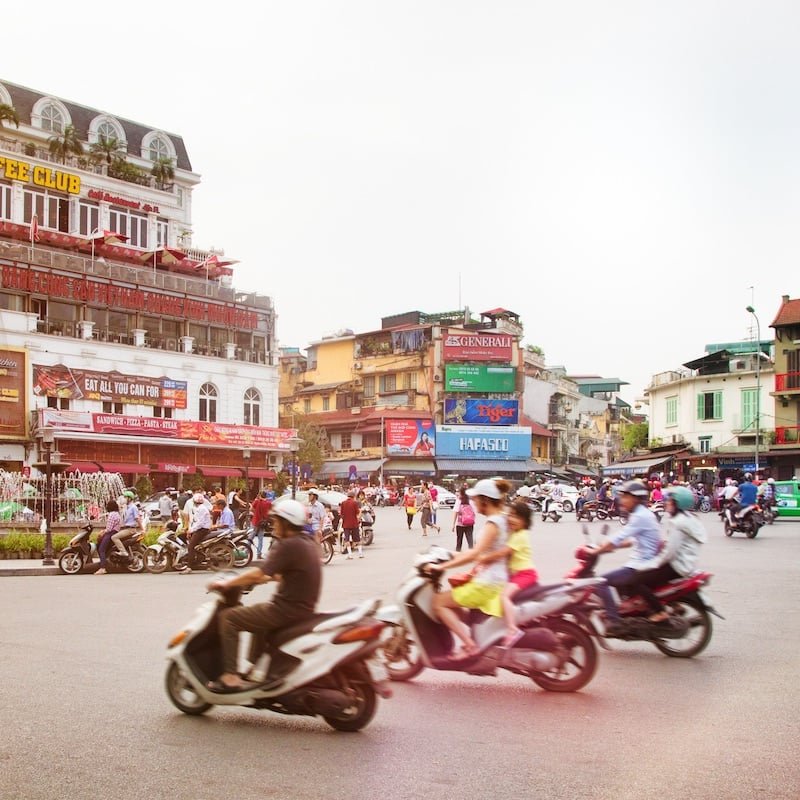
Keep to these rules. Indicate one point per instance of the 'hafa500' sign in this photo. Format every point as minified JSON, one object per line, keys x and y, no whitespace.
{"x":40,"y":176}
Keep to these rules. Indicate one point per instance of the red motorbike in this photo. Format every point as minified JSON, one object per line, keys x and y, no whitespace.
{"x":685,"y":634}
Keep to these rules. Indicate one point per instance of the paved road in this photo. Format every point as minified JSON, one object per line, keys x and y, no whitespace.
{"x":85,"y":716}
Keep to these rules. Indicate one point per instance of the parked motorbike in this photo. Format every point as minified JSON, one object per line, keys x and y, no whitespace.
{"x":172,"y":549}
{"x":555,"y":510}
{"x":242,"y":547}
{"x":367,"y":521}
{"x":747,"y":521}
{"x":554,"y":652}
{"x":326,"y":666}
{"x":81,"y":551}
{"x":685,"y":634}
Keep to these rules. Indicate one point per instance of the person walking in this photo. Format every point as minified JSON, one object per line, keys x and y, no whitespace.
{"x":425,"y":509}
{"x":463,"y":519}
{"x":410,"y":504}
{"x":316,"y":514}
{"x":261,"y":508}
{"x":350,"y":512}
{"x":434,"y":492}
{"x":199,"y":528}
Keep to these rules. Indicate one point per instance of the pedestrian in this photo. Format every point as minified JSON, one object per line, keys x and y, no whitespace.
{"x":184,"y":498}
{"x":113,"y":524}
{"x":316,"y":514}
{"x":261,"y":508}
{"x":199,"y":527}
{"x":425,"y":503}
{"x":240,"y":506}
{"x":434,"y":492}
{"x":165,"y":506}
{"x":350,"y":512}
{"x":410,"y":505}
{"x":463,"y":519}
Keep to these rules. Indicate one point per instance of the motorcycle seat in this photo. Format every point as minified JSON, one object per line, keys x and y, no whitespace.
{"x":535,"y":591}
{"x":283,"y":635}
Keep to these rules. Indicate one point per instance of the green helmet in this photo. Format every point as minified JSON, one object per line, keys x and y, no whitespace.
{"x":683,"y":497}
{"x":129,"y":494}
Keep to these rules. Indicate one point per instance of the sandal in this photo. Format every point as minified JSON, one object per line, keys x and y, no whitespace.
{"x":221,"y":688}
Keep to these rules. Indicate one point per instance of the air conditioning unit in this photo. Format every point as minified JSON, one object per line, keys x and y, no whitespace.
{"x":740,"y":365}
{"x":272,"y":459}
{"x":357,"y":365}
{"x":172,"y":344}
{"x":437,"y":378}
{"x":358,"y":382}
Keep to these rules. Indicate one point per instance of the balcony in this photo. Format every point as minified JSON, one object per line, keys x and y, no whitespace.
{"x":787,"y":382}
{"x":787,"y":434}
{"x":670,"y":376}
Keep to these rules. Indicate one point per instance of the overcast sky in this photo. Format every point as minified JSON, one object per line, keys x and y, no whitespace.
{"x":618,"y":173}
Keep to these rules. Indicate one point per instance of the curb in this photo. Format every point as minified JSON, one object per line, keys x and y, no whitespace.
{"x":22,"y":571}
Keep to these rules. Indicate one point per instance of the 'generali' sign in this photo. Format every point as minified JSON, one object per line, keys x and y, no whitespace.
{"x":461,"y":346}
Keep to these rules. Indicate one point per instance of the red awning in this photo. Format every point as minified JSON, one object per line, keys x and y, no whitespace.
{"x":183,"y":469}
{"x":83,"y":466}
{"x":124,"y":468}
{"x":220,"y":472}
{"x":262,"y":473}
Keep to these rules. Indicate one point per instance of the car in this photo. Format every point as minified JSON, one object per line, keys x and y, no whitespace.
{"x":445,"y":498}
{"x":151,"y":507}
{"x":787,"y":498}
{"x":326,"y":497}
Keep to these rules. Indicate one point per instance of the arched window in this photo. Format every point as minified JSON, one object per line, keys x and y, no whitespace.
{"x":107,"y":131}
{"x":158,"y":149}
{"x":208,"y":403}
{"x":52,"y":119}
{"x":252,"y":407}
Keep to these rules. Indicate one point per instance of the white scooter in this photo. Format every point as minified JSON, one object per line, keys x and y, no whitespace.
{"x":325,"y":666}
{"x":555,"y":510}
{"x":554,"y":652}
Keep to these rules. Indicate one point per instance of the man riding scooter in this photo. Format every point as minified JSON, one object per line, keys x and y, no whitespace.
{"x":748,"y":496}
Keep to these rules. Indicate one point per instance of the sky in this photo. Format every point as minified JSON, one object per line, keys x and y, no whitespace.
{"x":623,"y":175}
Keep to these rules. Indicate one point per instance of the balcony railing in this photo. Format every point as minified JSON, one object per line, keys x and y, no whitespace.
{"x":787,"y":382}
{"x":787,"y":434}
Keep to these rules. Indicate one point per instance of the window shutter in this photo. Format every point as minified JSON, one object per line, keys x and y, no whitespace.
{"x":717,"y":405}
{"x":701,"y":406}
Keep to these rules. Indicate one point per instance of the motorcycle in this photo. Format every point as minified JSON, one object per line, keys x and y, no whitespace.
{"x":748,"y":520}
{"x":587,"y":511}
{"x":81,"y":551}
{"x":367,"y":521}
{"x":769,"y":512}
{"x":685,"y":634}
{"x":606,"y":511}
{"x":242,"y":547}
{"x":554,"y":652}
{"x":172,"y":549}
{"x":555,"y":510}
{"x":703,"y":504}
{"x":325,"y":666}
{"x":657,"y":508}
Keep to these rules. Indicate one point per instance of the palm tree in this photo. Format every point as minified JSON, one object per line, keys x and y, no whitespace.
{"x":8,"y":113}
{"x":163,"y":171}
{"x":66,"y":144}
{"x":105,"y":148}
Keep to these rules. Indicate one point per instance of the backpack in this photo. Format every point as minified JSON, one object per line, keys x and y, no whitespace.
{"x":466,"y":515}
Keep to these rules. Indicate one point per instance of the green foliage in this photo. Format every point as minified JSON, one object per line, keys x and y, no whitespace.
{"x":8,"y":114}
{"x":315,"y":442}
{"x":123,"y":170}
{"x":144,"y":487}
{"x":534,"y":348}
{"x":163,"y":171}
{"x":635,"y":436}
{"x":107,"y":149}
{"x":64,"y":144}
{"x":280,"y":483}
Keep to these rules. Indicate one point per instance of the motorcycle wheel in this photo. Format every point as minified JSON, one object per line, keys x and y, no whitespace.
{"x":400,"y":656}
{"x":220,"y":556}
{"x":753,"y":532}
{"x":623,"y":519}
{"x":327,"y":551}
{"x":138,"y":560}
{"x":181,"y":693}
{"x":601,"y":514}
{"x":698,"y":636}
{"x":159,"y":562}
{"x":368,"y":537}
{"x":728,"y":529}
{"x":568,"y":507}
{"x":71,"y":562}
{"x":243,"y":561}
{"x":555,"y":517}
{"x":359,"y":714}
{"x":580,"y":665}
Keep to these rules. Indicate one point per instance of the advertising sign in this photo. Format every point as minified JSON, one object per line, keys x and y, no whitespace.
{"x":480,"y":378}
{"x":13,"y":397}
{"x":410,"y":437}
{"x":206,"y":433}
{"x":463,"y":346}
{"x":114,"y":387}
{"x":480,"y":411}
{"x":483,"y":441}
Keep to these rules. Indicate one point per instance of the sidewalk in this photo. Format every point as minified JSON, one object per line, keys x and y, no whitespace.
{"x":32,"y":566}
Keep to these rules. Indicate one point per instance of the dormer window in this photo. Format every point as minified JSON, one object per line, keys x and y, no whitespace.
{"x":52,"y":119}
{"x":158,"y":149}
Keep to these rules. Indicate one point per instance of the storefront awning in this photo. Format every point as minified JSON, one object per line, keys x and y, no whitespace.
{"x":258,"y":472}
{"x":342,"y":468}
{"x":83,"y":466}
{"x":475,"y":466}
{"x":634,"y":467}
{"x":220,"y":472}
{"x":124,"y":468}
{"x":409,"y":466}
{"x":579,"y":470}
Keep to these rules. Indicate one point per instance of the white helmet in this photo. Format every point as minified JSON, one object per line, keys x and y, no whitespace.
{"x":485,"y":488}
{"x":293,"y":511}
{"x":770,"y":480}
{"x":199,"y":498}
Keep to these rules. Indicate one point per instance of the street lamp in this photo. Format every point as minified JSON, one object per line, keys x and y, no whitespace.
{"x":294,"y":445}
{"x":751,"y":310}
{"x":48,"y":437}
{"x":246,"y":457}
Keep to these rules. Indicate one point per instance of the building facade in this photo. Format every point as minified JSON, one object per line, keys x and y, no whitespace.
{"x":128,"y":341}
{"x":785,"y":452}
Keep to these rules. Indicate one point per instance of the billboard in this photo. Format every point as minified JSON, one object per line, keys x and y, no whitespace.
{"x":13,"y":397}
{"x":410,"y":437}
{"x":466,"y":346}
{"x":480,"y":378}
{"x":483,"y":441}
{"x":114,"y":387}
{"x":480,"y":411}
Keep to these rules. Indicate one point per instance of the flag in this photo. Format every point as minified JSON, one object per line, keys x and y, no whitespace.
{"x":34,"y":232}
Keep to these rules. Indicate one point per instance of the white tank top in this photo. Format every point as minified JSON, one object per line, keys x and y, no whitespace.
{"x":496,"y":572}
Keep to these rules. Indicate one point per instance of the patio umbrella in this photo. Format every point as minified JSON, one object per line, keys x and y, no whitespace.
{"x":214,"y":264}
{"x":163,"y":257}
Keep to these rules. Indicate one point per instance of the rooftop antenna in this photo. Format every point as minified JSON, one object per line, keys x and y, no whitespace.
{"x":459,"y":290}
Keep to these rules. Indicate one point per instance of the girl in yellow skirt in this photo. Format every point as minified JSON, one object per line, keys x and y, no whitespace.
{"x":485,"y":590}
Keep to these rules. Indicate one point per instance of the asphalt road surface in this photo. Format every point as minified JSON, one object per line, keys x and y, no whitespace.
{"x":84,"y":713}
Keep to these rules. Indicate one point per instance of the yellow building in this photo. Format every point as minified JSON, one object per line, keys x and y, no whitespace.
{"x":784,"y":455}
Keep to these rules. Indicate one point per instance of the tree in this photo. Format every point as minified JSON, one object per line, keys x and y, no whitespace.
{"x":106,"y":148}
{"x":65,"y":144}
{"x":315,"y":443}
{"x":163,"y":171}
{"x":635,"y":436}
{"x":8,"y":114}
{"x":534,"y":348}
